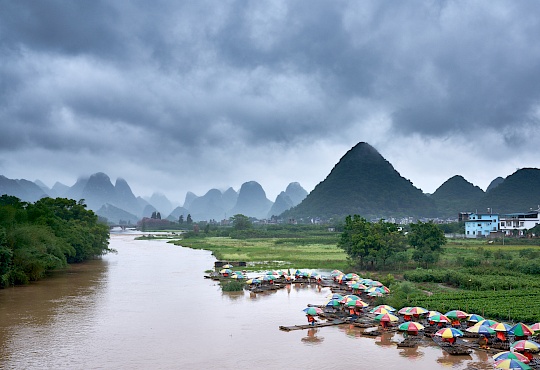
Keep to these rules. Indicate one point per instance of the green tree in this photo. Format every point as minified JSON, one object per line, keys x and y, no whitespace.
{"x":241,"y":222}
{"x":189,"y":220}
{"x":427,"y":240}
{"x":181,"y":219}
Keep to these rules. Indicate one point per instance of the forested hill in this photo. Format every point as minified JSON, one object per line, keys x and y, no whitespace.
{"x":363,"y":183}
{"x":46,"y":235}
{"x":456,"y":195}
{"x":517,"y":193}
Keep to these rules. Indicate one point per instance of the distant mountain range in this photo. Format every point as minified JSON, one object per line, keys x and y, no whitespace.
{"x":362,"y":182}
{"x":117,"y":203}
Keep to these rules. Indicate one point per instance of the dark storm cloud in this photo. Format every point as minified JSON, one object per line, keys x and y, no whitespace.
{"x":182,"y":76}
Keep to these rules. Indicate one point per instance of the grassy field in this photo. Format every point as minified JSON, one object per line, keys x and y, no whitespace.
{"x":272,"y":253}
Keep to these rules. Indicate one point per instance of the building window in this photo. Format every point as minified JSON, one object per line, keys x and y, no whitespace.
{"x":502,"y":223}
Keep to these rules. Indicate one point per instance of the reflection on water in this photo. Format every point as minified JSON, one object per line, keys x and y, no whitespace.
{"x":149,"y":307}
{"x":311,"y":338}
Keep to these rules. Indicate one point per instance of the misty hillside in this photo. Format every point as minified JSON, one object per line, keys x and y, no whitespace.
{"x":456,"y":195}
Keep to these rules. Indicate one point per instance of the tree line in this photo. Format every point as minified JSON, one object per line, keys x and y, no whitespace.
{"x":36,"y":238}
{"x":373,"y":244}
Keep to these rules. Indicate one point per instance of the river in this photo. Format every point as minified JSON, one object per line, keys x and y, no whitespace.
{"x":149,"y":307}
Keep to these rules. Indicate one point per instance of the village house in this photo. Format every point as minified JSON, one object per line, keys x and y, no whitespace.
{"x":480,"y":225}
{"x":518,"y":223}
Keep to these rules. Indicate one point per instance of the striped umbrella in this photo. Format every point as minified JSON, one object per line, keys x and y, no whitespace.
{"x":456,"y":315}
{"x":356,"y":303}
{"x":535,"y":327}
{"x":486,"y":322}
{"x":411,"y":326}
{"x":385,"y":306}
{"x":511,"y":355}
{"x":501,"y":326}
{"x":481,"y":329}
{"x":449,"y":333}
{"x":378,"y":310}
{"x":525,"y":345}
{"x":521,"y":330}
{"x":439,"y":318}
{"x":475,"y":318}
{"x":386,"y":317}
{"x":403,"y":310}
{"x":416,"y":311}
{"x":511,"y":364}
{"x":313,"y":311}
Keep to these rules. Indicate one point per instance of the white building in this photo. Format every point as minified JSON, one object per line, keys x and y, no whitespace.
{"x":519,"y":222}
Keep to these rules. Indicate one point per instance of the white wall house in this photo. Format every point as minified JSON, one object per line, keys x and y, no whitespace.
{"x":480,"y":225}
{"x":519,"y":222}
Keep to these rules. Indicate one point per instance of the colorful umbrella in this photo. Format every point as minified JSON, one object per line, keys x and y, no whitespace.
{"x":433,"y":313}
{"x":475,"y":318}
{"x":511,"y":355}
{"x":349,"y":297}
{"x":439,"y":318}
{"x":225,"y":271}
{"x":535,"y":327}
{"x":336,"y":273}
{"x":386,"y":317}
{"x":351,"y":276}
{"x":375,"y":283}
{"x":416,"y":311}
{"x":403,"y":310}
{"x":525,"y":345}
{"x":486,"y":322}
{"x":337,"y":296}
{"x":313,"y":311}
{"x":333,"y":303}
{"x":501,"y":326}
{"x":378,"y":310}
{"x":411,"y":326}
{"x":238,"y":275}
{"x":358,"y":286}
{"x":511,"y":364}
{"x":521,"y":330}
{"x":449,"y":333}
{"x":227,"y":266}
{"x":387,"y":307}
{"x":356,"y":303}
{"x":456,"y":315}
{"x":253,"y":281}
{"x":481,"y":329}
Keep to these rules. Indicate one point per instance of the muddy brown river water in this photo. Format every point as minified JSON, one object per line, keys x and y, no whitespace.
{"x":149,"y":307}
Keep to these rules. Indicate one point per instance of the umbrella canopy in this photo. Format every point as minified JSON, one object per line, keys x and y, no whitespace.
{"x":336,"y":273}
{"x":416,"y":311}
{"x":501,"y":326}
{"x":225,"y":271}
{"x":510,"y":355}
{"x":351,"y":276}
{"x":227,"y":266}
{"x":456,"y":315}
{"x":356,"y":303}
{"x":449,"y":333}
{"x":375,"y":283}
{"x":411,"y":326}
{"x":439,"y":318}
{"x":403,"y":310}
{"x":511,"y":364}
{"x":525,"y":345}
{"x":313,"y":311}
{"x":337,"y":296}
{"x":387,"y":307}
{"x":358,"y":286}
{"x":378,"y":310}
{"x":481,"y":329}
{"x":486,"y":322}
{"x":333,"y":303}
{"x":475,"y":318}
{"x":535,"y":327}
{"x":268,"y":277}
{"x":253,"y":281}
{"x":238,"y":275}
{"x":349,"y":297}
{"x":433,"y":313}
{"x":521,"y":330}
{"x":386,"y":317}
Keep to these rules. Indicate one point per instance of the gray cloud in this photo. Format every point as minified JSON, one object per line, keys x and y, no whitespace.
{"x":203,"y":82}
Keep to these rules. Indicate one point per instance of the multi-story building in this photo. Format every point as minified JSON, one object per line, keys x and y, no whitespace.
{"x":517,"y":223}
{"x":480,"y":225}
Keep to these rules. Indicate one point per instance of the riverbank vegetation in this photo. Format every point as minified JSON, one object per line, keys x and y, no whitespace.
{"x":39,"y":237}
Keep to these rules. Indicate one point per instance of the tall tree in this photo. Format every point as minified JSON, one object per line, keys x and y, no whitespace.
{"x":427,"y":240}
{"x":241,"y":222}
{"x":189,"y":220}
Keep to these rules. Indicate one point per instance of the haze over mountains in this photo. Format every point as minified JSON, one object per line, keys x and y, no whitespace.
{"x":362,"y":182}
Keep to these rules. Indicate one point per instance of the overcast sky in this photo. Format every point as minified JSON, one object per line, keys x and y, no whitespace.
{"x":178,"y":96}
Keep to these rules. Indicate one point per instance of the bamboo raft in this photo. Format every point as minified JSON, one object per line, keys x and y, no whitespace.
{"x":409,"y":343}
{"x":307,"y":326}
{"x":453,"y":349}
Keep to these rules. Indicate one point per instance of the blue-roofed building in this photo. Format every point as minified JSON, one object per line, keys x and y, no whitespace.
{"x":517,"y":223}
{"x":480,"y":225}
